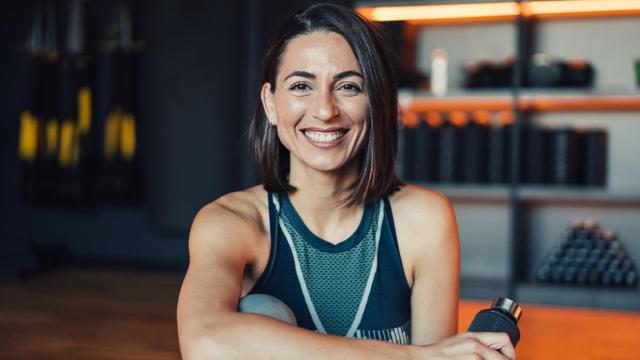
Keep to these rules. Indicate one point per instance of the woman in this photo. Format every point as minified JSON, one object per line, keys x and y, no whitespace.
{"x":333,"y":232}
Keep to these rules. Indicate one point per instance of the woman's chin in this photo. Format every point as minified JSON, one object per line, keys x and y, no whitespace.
{"x":331,"y":165}
{"x":324,"y":167}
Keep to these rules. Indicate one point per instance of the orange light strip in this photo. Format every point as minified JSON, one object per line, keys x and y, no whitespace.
{"x":425,"y":105}
{"x":437,"y":13}
{"x":580,"y":8}
{"x":443,"y":13}
{"x":580,"y":103}
{"x":536,"y":103}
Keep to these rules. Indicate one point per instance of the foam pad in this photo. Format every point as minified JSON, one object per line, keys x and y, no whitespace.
{"x":267,"y":305}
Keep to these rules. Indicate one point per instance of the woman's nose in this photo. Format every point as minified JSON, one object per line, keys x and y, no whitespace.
{"x":325,"y":107}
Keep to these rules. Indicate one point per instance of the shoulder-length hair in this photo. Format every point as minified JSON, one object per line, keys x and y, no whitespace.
{"x":377,"y":176}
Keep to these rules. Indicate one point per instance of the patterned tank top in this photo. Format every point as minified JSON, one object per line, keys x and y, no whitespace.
{"x":356,"y":288}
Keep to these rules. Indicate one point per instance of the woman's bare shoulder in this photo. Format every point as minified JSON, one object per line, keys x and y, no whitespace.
{"x":246,"y":204}
{"x":420,"y":203}
{"x":241,"y":215}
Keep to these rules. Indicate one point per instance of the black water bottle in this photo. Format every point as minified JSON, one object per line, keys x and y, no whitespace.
{"x":503,"y":316}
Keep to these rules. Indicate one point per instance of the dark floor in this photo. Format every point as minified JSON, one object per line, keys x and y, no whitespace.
{"x":96,"y":314}
{"x":130,"y":315}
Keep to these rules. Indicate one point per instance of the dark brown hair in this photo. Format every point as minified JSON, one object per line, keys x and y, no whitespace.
{"x":377,"y":176}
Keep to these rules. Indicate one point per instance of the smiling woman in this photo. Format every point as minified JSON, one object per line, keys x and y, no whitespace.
{"x":337,"y":62}
{"x":320,"y":113}
{"x":366,"y":265}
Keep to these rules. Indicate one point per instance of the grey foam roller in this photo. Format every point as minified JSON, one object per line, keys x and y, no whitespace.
{"x":267,"y":305}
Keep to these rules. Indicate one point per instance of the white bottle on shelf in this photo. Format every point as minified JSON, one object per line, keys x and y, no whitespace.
{"x":439,"y":60}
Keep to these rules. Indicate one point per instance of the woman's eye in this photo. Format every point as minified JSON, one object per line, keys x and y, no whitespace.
{"x":299,"y":87}
{"x":350,"y":87}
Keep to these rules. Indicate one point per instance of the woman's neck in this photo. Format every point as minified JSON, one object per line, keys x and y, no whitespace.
{"x":327,"y":187}
{"x":318,"y":200}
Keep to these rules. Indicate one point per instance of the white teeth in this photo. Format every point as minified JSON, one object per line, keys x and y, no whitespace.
{"x":324,"y":136}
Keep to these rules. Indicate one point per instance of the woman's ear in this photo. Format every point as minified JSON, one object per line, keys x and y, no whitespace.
{"x":267,"y":103}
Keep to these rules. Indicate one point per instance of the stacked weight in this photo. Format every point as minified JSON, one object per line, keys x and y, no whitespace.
{"x":588,"y":255}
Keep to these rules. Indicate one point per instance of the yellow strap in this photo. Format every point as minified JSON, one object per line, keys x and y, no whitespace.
{"x":66,"y":143}
{"x":28,"y":137}
{"x":112,"y":129}
{"x":52,"y":137}
{"x":128,"y":137}
{"x":84,"y":110}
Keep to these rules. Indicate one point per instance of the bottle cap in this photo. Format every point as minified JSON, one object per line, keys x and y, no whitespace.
{"x":509,"y":306}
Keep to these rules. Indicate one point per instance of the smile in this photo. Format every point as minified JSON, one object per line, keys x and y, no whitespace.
{"x":324,"y":137}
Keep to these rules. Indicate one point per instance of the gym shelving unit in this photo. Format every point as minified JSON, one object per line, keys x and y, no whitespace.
{"x":529,"y":207}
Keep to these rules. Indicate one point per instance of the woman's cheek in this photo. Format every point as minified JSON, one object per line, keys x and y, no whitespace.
{"x":357,"y":108}
{"x":291,"y":108}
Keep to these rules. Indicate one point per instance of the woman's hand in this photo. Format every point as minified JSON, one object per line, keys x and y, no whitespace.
{"x":469,"y":345}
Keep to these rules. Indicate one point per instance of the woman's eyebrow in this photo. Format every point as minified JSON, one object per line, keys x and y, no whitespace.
{"x":347,"y":73}
{"x":304,"y":74}
{"x":338,"y":76}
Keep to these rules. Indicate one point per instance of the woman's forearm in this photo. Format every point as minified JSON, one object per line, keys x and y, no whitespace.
{"x":249,"y":336}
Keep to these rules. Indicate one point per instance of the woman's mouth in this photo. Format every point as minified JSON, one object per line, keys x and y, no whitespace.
{"x":324,"y":137}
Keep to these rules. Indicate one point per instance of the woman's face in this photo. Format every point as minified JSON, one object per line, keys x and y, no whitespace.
{"x":320,"y":104}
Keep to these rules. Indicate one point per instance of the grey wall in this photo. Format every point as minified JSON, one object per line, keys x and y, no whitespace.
{"x":485,"y":247}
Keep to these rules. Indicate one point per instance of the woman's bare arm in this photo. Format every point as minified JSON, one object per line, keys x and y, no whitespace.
{"x":209,"y":326}
{"x":434,"y":296}
{"x":428,"y":234}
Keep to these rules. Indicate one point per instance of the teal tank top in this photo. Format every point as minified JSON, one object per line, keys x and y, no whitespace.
{"x":356,"y":288}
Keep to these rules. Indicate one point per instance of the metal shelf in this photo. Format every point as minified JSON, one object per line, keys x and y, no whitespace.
{"x":582,"y":195}
{"x":553,"y":294}
{"x":482,"y":192}
{"x":582,"y":296}
{"x":534,"y":193}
